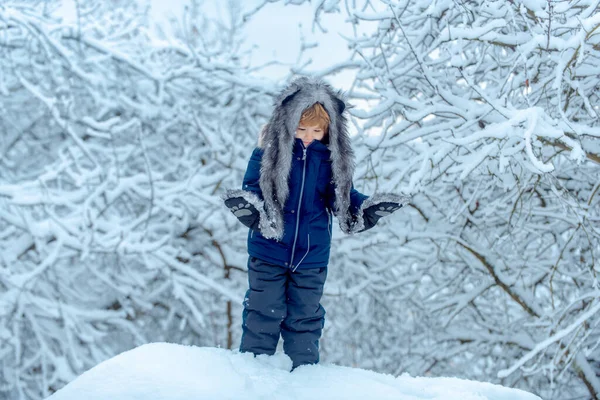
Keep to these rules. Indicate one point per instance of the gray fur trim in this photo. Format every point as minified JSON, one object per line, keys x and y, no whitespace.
{"x":401,"y":199}
{"x":269,"y":231}
{"x":278,"y":143}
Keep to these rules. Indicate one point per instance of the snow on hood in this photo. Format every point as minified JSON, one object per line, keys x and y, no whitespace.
{"x":165,"y":371}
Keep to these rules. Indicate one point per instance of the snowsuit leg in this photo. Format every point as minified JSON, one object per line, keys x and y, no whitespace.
{"x":264,"y":307}
{"x":302,"y":327}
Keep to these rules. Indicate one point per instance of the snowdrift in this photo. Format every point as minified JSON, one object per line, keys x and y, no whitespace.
{"x":164,"y":371}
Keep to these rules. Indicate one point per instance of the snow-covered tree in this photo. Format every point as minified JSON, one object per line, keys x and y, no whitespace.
{"x":487,"y":112}
{"x":116,"y":139}
{"x":117,"y":136}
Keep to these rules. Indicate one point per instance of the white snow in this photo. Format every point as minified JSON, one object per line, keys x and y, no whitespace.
{"x":165,"y":371}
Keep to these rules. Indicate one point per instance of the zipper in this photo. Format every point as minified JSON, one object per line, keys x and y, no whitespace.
{"x":251,"y":233}
{"x":305,"y":254}
{"x":328,"y":222}
{"x":298,"y":209}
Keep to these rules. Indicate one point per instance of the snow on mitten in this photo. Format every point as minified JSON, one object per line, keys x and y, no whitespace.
{"x":376,"y":207}
{"x":374,"y":213}
{"x":244,"y":211}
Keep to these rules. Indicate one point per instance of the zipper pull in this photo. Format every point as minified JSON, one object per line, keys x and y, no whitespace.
{"x":304,"y":154}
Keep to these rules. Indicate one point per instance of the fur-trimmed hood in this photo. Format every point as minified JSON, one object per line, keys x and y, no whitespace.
{"x":277,"y":142}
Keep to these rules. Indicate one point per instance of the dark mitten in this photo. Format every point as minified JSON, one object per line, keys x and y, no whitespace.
{"x":375,"y":212}
{"x":244,"y":211}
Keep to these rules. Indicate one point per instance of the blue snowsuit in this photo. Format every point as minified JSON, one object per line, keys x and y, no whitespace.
{"x":286,"y":277}
{"x":307,"y":213}
{"x":288,"y":197}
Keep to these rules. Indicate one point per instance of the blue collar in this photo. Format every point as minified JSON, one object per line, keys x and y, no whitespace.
{"x":315,"y":147}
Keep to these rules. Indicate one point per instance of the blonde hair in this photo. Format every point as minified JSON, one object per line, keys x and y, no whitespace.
{"x":313,"y":115}
{"x":316,"y":115}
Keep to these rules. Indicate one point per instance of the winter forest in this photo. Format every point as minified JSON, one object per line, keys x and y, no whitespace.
{"x":116,"y":141}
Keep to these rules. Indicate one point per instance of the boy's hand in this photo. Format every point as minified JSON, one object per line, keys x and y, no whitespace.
{"x":244,"y":211}
{"x":377,"y":211}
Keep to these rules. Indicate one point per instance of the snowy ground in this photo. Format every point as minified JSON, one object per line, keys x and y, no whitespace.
{"x":163,"y":371}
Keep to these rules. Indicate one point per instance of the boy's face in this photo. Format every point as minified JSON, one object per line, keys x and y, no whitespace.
{"x":309,"y":133}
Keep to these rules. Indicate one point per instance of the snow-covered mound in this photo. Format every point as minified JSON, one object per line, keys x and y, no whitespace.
{"x":164,"y":371}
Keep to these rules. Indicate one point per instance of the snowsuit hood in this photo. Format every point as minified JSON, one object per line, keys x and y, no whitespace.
{"x":277,"y":142}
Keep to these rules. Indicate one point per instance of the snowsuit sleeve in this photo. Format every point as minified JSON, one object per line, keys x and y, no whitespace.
{"x":252,"y":175}
{"x":251,"y":191}
{"x":356,"y":200}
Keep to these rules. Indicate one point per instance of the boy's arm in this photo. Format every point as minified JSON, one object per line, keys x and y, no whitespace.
{"x":376,"y":207}
{"x":252,"y":175}
{"x":247,"y":204}
{"x":356,"y":199}
{"x":365,"y":211}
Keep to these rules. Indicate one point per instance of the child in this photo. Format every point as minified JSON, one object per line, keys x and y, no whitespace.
{"x":298,"y":177}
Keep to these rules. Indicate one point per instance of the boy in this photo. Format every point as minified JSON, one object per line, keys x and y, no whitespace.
{"x":297,"y":179}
